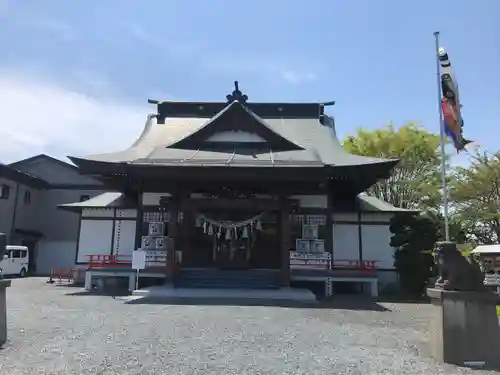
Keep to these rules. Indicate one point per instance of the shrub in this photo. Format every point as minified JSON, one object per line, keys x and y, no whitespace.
{"x":414,"y":237}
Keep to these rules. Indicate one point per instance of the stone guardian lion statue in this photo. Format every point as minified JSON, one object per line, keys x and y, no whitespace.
{"x":455,"y":271}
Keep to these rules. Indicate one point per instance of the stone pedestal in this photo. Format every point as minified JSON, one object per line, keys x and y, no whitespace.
{"x":4,"y":284}
{"x":465,"y":330}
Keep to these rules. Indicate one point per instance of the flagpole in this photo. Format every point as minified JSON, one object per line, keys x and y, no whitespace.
{"x":442,"y":139}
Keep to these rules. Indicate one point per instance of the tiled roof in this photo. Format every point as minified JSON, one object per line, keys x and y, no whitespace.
{"x":27,"y":179}
{"x":319,"y":140}
{"x":368,"y":203}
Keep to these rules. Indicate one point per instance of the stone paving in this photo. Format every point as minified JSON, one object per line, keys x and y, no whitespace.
{"x":53,"y":332}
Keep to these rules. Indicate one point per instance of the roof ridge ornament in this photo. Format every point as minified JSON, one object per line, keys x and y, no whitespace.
{"x":237,"y":95}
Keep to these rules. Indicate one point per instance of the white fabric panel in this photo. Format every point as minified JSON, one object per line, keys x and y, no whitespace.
{"x":376,"y":239}
{"x":235,"y":136}
{"x":345,"y":242}
{"x":124,"y":237}
{"x":95,"y":238}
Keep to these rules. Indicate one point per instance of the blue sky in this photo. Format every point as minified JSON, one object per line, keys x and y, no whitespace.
{"x":71,"y":70}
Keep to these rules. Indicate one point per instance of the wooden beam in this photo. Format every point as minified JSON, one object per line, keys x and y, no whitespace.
{"x":285,"y":233}
{"x":173,"y":210}
{"x":234,"y":204}
{"x":360,"y":236}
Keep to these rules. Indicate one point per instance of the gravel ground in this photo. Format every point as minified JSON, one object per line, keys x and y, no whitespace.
{"x":52,"y":332}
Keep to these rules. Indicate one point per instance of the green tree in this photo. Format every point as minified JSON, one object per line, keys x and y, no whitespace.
{"x":413,"y":238}
{"x":415,"y":182}
{"x":457,"y":233}
{"x":475,"y":197}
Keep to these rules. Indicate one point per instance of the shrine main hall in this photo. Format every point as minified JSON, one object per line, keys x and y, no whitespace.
{"x":237,"y":194}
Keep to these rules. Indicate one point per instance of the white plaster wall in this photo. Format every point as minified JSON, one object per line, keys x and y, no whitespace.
{"x":58,"y":254}
{"x":345,"y":242}
{"x":124,"y":239}
{"x":235,"y":136}
{"x":95,"y":238}
{"x":375,"y":241}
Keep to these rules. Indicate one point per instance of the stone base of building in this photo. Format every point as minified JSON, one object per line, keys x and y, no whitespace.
{"x":465,"y":330}
{"x":269,"y":296}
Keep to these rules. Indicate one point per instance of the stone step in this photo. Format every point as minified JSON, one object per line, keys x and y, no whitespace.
{"x":233,"y":279}
{"x":215,"y":285}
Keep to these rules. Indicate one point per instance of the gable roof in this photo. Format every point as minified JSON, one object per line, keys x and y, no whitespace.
{"x":27,"y":179}
{"x":41,"y":157}
{"x":237,"y":116}
{"x":56,"y":172}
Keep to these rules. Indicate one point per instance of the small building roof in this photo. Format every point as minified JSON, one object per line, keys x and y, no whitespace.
{"x":487,"y":249}
{"x":117,"y":200}
{"x":22,"y":162}
{"x":369,"y":203}
{"x":104,"y":200}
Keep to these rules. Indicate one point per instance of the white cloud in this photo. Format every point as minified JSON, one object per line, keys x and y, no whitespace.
{"x":296,"y":77}
{"x":43,"y":117}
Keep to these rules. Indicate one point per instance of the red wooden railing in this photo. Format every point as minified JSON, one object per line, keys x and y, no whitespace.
{"x":309,"y":264}
{"x":61,"y":274}
{"x":339,"y":266}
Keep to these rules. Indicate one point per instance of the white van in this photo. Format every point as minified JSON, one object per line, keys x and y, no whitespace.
{"x":15,"y":261}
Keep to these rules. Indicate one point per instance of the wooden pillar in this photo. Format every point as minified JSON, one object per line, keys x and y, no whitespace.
{"x":360,"y":237}
{"x":329,"y":226}
{"x":285,"y":232}
{"x":138,"y":223}
{"x":188,"y":227}
{"x":173,"y":210}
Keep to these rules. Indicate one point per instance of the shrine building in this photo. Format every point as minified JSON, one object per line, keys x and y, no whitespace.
{"x":237,"y":194}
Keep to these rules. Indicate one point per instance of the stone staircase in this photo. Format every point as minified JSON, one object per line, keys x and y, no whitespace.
{"x":228,"y":279}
